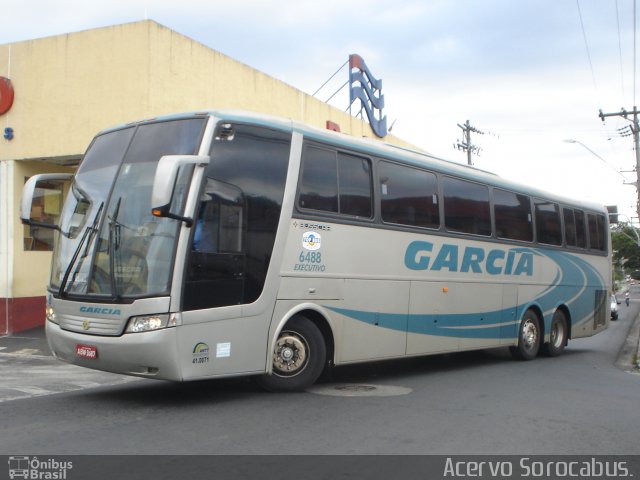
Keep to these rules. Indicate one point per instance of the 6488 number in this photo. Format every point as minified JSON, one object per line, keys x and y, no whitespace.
{"x":310,"y":257}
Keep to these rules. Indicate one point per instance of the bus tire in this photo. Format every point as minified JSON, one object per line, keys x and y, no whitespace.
{"x":528,"y":337}
{"x":558,"y":335}
{"x":298,"y":357}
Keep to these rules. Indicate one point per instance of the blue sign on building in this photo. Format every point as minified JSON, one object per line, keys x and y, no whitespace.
{"x":364,"y":86}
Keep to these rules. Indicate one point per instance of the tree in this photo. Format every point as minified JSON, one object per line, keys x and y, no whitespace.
{"x":626,"y":252}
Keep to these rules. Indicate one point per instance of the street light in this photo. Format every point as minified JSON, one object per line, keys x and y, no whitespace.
{"x":571,"y":140}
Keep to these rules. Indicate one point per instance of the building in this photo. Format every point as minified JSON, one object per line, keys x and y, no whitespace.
{"x":66,"y":88}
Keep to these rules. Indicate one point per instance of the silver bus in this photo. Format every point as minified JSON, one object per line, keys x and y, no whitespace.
{"x":220,"y":243}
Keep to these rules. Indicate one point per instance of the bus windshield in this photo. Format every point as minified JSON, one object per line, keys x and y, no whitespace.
{"x":110,"y":245}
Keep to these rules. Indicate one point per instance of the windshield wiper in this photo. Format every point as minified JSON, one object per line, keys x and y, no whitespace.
{"x":112,"y":247}
{"x":88,"y":232}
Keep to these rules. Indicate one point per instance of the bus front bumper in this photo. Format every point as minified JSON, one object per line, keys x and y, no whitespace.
{"x":151,"y":354}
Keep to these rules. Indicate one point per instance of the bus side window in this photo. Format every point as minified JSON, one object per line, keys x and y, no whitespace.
{"x":336,"y":183}
{"x":354,"y":184}
{"x":597,"y":235}
{"x":512,"y":213}
{"x":569,"y":226}
{"x":220,"y":219}
{"x":408,"y":196}
{"x":548,"y":222}
{"x":581,"y":237}
{"x":319,"y":185}
{"x":240,"y":205}
{"x":205,"y":235}
{"x":466,"y":206}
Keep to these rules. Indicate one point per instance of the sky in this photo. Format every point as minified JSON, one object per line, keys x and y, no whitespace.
{"x":529,"y":74}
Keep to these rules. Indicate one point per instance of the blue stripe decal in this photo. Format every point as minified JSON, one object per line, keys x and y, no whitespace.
{"x":574,"y":285}
{"x":463,"y":325}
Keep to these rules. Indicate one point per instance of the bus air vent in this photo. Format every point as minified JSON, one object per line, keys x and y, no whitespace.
{"x":600,"y":309}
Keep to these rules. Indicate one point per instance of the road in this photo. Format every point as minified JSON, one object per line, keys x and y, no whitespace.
{"x":469,"y":403}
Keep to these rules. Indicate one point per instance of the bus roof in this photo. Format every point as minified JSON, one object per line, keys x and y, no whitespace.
{"x":373,"y":147}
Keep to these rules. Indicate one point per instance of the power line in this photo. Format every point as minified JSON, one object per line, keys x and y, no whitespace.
{"x":523,"y":131}
{"x":634,"y":51}
{"x":620,"y":50}
{"x":586,"y":44}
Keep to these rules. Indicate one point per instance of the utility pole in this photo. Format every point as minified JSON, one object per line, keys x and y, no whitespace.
{"x":466,"y":144}
{"x":635,"y":130}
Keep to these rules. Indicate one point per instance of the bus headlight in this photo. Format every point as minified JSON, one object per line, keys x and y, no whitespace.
{"x":147,"y":323}
{"x":51,"y":314}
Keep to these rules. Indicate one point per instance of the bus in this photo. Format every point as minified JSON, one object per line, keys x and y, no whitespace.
{"x":225,"y":243}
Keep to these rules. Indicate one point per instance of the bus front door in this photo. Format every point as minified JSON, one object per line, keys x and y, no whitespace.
{"x":216,"y":270}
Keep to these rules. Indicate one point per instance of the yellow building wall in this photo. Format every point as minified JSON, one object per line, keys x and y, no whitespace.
{"x":69,"y":87}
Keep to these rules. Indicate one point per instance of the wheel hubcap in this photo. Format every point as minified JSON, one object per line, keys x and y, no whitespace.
{"x":557,"y":333}
{"x":290,"y":354}
{"x":529,"y":335}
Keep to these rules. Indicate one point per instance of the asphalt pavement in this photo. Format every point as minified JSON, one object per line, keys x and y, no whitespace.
{"x":28,"y":369}
{"x":30,"y":342}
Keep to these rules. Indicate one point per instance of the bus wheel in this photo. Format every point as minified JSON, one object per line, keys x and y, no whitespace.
{"x":528,"y":337}
{"x":298,"y":357}
{"x":558,"y":335}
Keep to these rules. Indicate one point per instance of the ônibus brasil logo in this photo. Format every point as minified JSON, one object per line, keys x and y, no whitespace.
{"x":33,"y":468}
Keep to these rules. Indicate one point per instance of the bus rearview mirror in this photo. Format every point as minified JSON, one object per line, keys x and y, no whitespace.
{"x":29,"y":192}
{"x":165,"y":179}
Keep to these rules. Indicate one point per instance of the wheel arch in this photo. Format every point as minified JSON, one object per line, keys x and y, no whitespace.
{"x":320,"y":319}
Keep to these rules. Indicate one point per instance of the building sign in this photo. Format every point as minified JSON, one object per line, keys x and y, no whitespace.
{"x":365,"y":87}
{"x":6,"y":95}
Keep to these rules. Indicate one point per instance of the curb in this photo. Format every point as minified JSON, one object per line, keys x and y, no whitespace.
{"x":629,"y":355}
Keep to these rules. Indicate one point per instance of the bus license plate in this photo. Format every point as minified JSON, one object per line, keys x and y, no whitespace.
{"x":87,"y":351}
